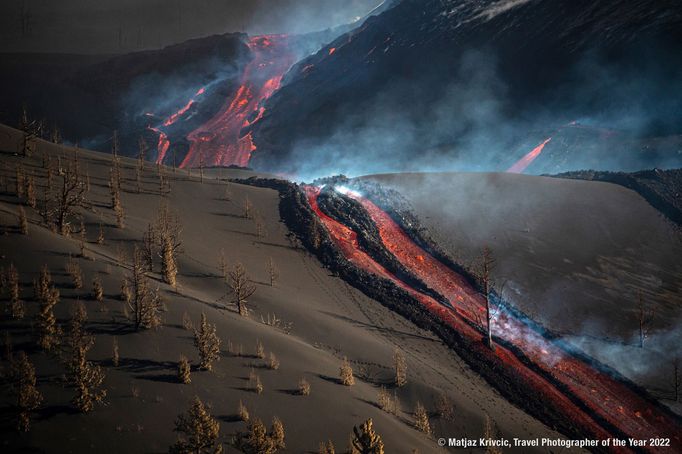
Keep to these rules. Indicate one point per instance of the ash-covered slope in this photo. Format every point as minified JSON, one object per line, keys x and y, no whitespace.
{"x":468,"y":81}
{"x":661,"y":188}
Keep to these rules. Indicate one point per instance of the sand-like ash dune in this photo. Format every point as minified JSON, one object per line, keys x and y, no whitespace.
{"x":573,"y":255}
{"x":321,"y":318}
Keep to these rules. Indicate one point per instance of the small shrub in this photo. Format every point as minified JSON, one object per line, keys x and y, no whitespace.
{"x":273,"y":362}
{"x":303,"y":387}
{"x":184,"y":370}
{"x":346,"y":373}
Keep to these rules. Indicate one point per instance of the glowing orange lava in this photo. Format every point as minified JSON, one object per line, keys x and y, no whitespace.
{"x":524,"y":162}
{"x":164,"y":142}
{"x":220,"y":141}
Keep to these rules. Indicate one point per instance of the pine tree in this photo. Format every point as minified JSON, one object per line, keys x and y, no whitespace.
{"x":421,"y":419}
{"x":327,"y":448}
{"x":489,"y":434}
{"x":365,"y":440}
{"x":260,"y":349}
{"x":346,"y":373}
{"x":445,"y":408}
{"x":23,"y":376}
{"x":273,"y":362}
{"x":184,"y":370}
{"x":169,"y":268}
{"x":19,"y":180}
{"x":257,"y":439}
{"x":400,"y":368}
{"x":384,"y":400}
{"x":148,"y":242}
{"x":73,"y":269}
{"x":86,"y":377}
{"x":273,"y":272}
{"x":115,"y":355}
{"x":145,"y":303}
{"x":97,"y":290}
{"x":16,"y":305}
{"x":255,"y":382}
{"x":48,"y":297}
{"x":31,"y":192}
{"x":207,"y":342}
{"x":100,"y":234}
{"x":222,"y":265}
{"x":200,"y":431}
{"x":23,"y":222}
{"x":247,"y":208}
{"x":242,"y":412}
{"x":167,"y":233}
{"x":82,"y":239}
{"x":303,"y":387}
{"x":277,"y":433}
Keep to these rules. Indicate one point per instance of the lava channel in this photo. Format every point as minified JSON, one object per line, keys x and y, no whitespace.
{"x":221,"y":141}
{"x":598,"y":404}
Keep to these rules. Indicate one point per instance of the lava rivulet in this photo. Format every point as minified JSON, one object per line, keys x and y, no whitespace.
{"x":164,"y":142}
{"x":524,"y":162}
{"x":593,"y":399}
{"x":221,"y":141}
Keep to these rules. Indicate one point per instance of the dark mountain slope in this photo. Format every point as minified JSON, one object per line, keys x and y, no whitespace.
{"x":443,"y":79}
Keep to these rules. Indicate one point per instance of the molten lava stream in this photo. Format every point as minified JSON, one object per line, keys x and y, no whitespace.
{"x":164,"y":142}
{"x":346,"y":240}
{"x":611,"y":400}
{"x":220,"y":140}
{"x":528,"y":159}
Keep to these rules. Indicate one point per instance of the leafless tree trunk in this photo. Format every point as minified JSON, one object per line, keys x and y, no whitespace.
{"x":487,"y":265}
{"x":241,"y":287}
{"x":644,"y":319}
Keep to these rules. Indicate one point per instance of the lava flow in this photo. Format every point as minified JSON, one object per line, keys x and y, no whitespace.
{"x":598,"y":404}
{"x":524,"y":162}
{"x":220,"y":141}
{"x":164,"y":142}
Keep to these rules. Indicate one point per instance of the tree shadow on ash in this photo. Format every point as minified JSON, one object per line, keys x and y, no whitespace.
{"x":229,"y":418}
{"x":161,"y":378}
{"x":334,"y":380}
{"x":145,"y":365}
{"x":50,"y":412}
{"x":291,"y":392}
{"x":228,"y":215}
{"x":400,"y":334}
{"x":110,"y":328}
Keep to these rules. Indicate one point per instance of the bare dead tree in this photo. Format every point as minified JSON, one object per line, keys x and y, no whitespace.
{"x":273,"y":271}
{"x":645,"y":317}
{"x":201,"y":166}
{"x":247,"y":208}
{"x":115,"y":145}
{"x":148,"y":247}
{"x":485,"y":279}
{"x":242,"y":288}
{"x":69,"y":197}
{"x":145,"y":304}
{"x":222,"y":265}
